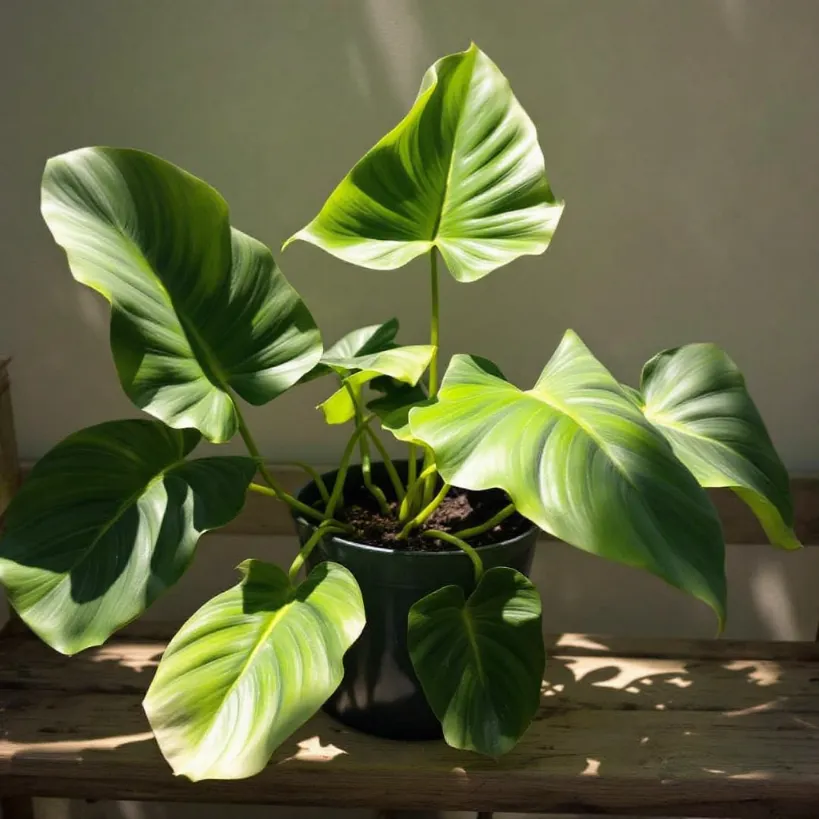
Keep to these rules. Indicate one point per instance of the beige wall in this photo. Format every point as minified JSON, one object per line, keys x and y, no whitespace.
{"x":681,"y":134}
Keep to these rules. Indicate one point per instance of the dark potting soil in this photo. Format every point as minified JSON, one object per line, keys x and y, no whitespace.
{"x":461,"y":509}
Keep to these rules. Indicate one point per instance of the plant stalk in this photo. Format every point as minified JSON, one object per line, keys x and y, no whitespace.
{"x":341,"y":475}
{"x":474,"y":531}
{"x":278,"y":491}
{"x":364,"y":449}
{"x":314,"y":475}
{"x":328,"y":527}
{"x":395,"y":478}
{"x":422,"y":516}
{"x":408,"y":504}
{"x":461,"y":544}
{"x":434,"y":339}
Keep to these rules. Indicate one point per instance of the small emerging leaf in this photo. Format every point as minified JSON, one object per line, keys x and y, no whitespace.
{"x":362,"y":342}
{"x":697,"y":398}
{"x":480,"y":661}
{"x":404,"y":364}
{"x":462,"y":172}
{"x":250,"y":667}
{"x":106,"y":522}
{"x":578,"y":459}
{"x":199,"y":311}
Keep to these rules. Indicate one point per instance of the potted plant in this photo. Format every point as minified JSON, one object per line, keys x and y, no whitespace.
{"x":203,"y":319}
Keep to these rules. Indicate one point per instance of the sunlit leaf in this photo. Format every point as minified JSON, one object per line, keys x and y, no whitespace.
{"x":697,"y":398}
{"x":578,"y":459}
{"x":480,"y":661}
{"x":107,"y":521}
{"x":403,"y":364}
{"x":462,"y":172}
{"x":250,"y":667}
{"x":198,"y":311}
{"x":340,"y":357}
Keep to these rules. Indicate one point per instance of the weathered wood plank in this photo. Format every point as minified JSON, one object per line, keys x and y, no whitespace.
{"x":605,"y":761}
{"x":690,"y":733}
{"x":581,"y":673}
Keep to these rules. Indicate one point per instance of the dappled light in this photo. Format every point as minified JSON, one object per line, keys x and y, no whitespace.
{"x":313,"y":750}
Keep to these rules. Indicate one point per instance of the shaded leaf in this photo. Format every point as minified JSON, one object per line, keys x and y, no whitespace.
{"x":199,"y":311}
{"x":462,"y":172}
{"x":480,"y":661}
{"x":697,"y":398}
{"x":578,"y":459}
{"x":393,"y":407}
{"x":107,"y":521}
{"x":250,"y":667}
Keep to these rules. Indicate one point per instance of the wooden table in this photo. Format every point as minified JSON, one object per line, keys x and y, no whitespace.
{"x":671,"y":728}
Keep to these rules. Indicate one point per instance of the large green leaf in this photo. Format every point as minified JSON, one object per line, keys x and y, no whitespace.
{"x":198,"y":311}
{"x":462,"y":172}
{"x":250,"y":667}
{"x":480,"y":661}
{"x":107,"y":521}
{"x":403,"y":364}
{"x":578,"y":459}
{"x":697,"y":398}
{"x":365,"y":341}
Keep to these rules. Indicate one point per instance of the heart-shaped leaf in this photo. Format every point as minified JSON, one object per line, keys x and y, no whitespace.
{"x":365,"y":341}
{"x":403,"y":364}
{"x":697,"y":398}
{"x":199,"y":311}
{"x":250,"y":667}
{"x":107,"y":521}
{"x":480,"y":661}
{"x":578,"y":459}
{"x":462,"y":172}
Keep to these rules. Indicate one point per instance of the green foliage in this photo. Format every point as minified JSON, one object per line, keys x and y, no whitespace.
{"x":697,"y":398}
{"x":462,"y":172}
{"x":107,"y":521}
{"x":579,"y":460}
{"x":480,"y":660}
{"x":250,"y":667}
{"x":202,"y":317}
{"x":199,"y":311}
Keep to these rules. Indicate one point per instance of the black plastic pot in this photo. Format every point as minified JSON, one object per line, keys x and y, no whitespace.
{"x":380,"y":693}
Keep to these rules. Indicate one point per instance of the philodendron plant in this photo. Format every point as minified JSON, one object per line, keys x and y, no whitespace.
{"x":202,"y":320}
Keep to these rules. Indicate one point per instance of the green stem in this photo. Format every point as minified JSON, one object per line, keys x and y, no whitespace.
{"x":490,"y":524}
{"x":407,"y":505}
{"x":278,"y":491}
{"x":295,"y":503}
{"x":364,"y":449}
{"x":412,"y":465}
{"x":461,"y":544}
{"x":328,"y":527}
{"x":314,"y":475}
{"x":434,"y":338}
{"x":422,"y":516}
{"x":341,"y":475}
{"x":395,"y":478}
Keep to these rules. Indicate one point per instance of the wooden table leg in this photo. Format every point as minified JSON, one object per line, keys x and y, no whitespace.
{"x":17,"y":807}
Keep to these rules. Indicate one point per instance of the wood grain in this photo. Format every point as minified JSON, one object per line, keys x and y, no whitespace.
{"x":697,"y":731}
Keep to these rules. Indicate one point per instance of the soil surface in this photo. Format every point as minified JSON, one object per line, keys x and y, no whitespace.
{"x":461,"y":509}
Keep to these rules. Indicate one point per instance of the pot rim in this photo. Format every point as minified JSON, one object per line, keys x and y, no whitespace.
{"x":403,"y":553}
{"x":367,"y":547}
